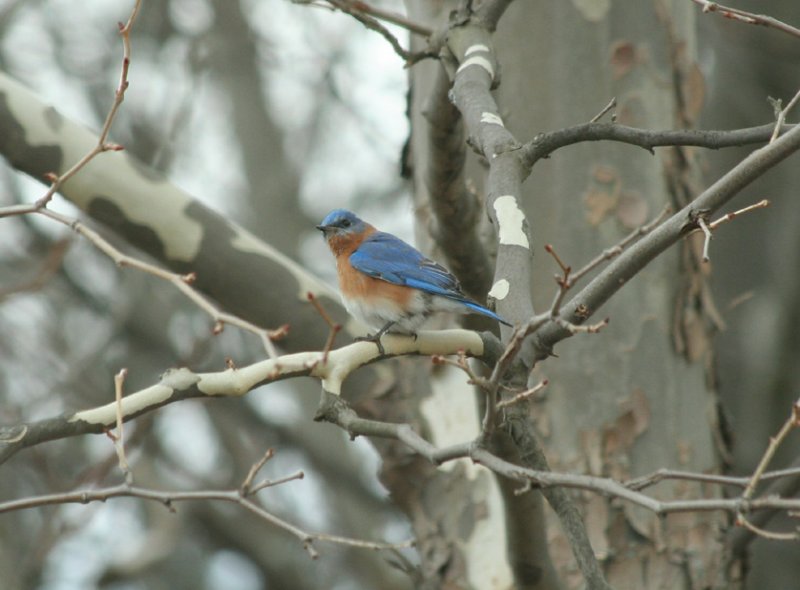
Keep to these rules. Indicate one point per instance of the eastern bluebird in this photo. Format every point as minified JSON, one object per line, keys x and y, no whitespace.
{"x":388,"y":284}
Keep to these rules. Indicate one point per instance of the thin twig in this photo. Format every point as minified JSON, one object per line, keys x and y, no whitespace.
{"x":236,"y":496}
{"x":708,"y":228}
{"x":781,"y":118}
{"x":181,"y":282}
{"x":706,"y":244}
{"x":569,"y":278}
{"x":245,"y":488}
{"x":618,"y":248}
{"x":611,"y":104}
{"x":550,"y":250}
{"x":334,"y":327}
{"x":731,"y":216}
{"x":394,"y":18}
{"x":747,"y":17}
{"x":792,"y":422}
{"x":651,"y":479}
{"x":774,"y":442}
{"x":119,"y":438}
{"x":364,"y":14}
{"x":528,"y":393}
{"x":771,"y":535}
{"x":119,"y":95}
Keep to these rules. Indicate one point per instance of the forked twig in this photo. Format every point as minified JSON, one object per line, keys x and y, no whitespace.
{"x":708,"y":228}
{"x":792,"y":422}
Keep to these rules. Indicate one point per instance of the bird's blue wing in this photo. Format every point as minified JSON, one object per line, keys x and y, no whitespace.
{"x":389,"y":258}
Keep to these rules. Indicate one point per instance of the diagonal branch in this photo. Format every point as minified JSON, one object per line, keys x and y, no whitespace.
{"x":589,"y":299}
{"x":363,"y":13}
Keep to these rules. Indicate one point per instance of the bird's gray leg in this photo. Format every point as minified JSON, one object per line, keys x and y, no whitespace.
{"x":376,"y":337}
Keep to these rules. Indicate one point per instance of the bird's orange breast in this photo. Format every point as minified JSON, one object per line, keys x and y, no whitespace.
{"x":355,"y":284}
{"x":344,"y":245}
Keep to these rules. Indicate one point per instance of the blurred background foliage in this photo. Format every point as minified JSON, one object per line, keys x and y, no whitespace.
{"x":273,"y":114}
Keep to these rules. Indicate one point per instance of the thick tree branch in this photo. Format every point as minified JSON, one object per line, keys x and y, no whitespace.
{"x":589,"y":299}
{"x":471,"y":46}
{"x":160,"y":219}
{"x":456,"y":209}
{"x":331,"y":368}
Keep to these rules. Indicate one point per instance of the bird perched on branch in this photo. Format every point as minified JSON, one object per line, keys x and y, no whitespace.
{"x":388,"y":284}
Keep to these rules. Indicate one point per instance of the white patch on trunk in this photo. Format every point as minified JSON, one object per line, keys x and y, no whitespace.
{"x":452,"y":417}
{"x":510,"y":221}
{"x":475,"y":49}
{"x":492,"y":119}
{"x":477,"y":61}
{"x":499,"y":290}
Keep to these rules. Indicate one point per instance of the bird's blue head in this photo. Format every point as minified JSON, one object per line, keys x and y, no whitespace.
{"x":341,"y":223}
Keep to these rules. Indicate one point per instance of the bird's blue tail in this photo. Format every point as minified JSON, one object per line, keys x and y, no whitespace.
{"x":487,"y":312}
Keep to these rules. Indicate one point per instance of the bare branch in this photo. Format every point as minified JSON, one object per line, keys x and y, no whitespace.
{"x":792,"y":422}
{"x":617,"y":249}
{"x":586,"y":302}
{"x":781,"y":118}
{"x":180,"y":384}
{"x":707,"y":228}
{"x":544,"y":144}
{"x":456,"y":208}
{"x":365,"y":14}
{"x":731,"y":216}
{"x":244,"y":497}
{"x":334,"y":327}
{"x":102,"y":145}
{"x":534,"y":391}
{"x":747,"y":17}
{"x":645,"y":481}
{"x":335,"y":410}
{"x":611,"y":104}
{"x":181,"y":282}
{"x":119,"y":437}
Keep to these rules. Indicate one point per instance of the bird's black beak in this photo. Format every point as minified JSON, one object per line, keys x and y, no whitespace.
{"x":322,"y":228}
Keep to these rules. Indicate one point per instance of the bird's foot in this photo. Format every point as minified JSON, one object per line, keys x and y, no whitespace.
{"x":374,"y":338}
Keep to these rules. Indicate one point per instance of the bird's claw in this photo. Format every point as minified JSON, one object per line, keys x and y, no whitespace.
{"x":375,"y":339}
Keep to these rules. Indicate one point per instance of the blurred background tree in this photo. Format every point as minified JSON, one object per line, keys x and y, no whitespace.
{"x":272,"y":114}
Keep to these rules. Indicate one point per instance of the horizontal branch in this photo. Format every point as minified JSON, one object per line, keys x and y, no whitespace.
{"x":545,"y":144}
{"x":335,"y":410}
{"x":243,"y":496}
{"x":332,"y":368}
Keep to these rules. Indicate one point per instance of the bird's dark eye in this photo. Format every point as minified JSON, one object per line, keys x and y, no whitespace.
{"x":346,"y":223}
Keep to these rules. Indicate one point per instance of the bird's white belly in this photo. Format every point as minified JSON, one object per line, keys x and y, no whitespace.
{"x":378,"y":311}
